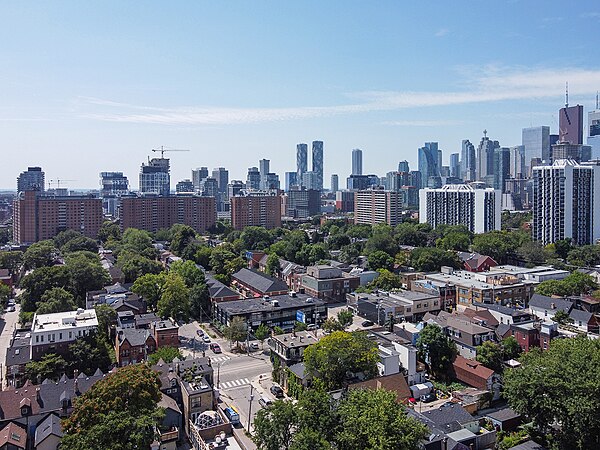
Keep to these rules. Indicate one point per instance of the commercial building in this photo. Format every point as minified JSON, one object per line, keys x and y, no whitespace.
{"x":317,"y":163}
{"x":501,"y":167}
{"x":151,"y":213}
{"x":428,"y":162}
{"x":455,"y":165}
{"x":31,"y":180}
{"x":468,"y":161}
{"x":478,"y":209}
{"x":485,"y":158}
{"x":37,"y":217}
{"x":253,"y":178}
{"x":198,"y":176}
{"x":517,"y":162}
{"x":328,"y":283}
{"x":563,"y":202}
{"x":375,"y":206}
{"x":344,"y":201}
{"x":301,"y":161}
{"x":291,"y":179}
{"x":155,"y":177}
{"x":256,"y":208}
{"x":252,"y":283}
{"x":593,"y":134}
{"x":570,"y":124}
{"x":303,"y":203}
{"x":357,"y":161}
{"x":335,"y":183}
{"x":536,"y":141}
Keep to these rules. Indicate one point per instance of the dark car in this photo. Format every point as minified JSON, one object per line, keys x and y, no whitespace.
{"x":428,"y":398}
{"x":200,"y":333}
{"x":216,"y":348}
{"x":367,"y":323}
{"x":276,"y":391}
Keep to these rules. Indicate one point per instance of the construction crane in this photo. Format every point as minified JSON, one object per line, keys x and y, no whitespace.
{"x":57,"y":182}
{"x":162,"y":150}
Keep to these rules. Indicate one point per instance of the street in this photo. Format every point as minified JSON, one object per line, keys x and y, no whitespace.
{"x":7,"y":325}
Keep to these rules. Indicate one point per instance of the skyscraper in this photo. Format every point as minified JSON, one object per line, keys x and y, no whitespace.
{"x":301,"y":161}
{"x":335,"y":183}
{"x":501,"y":167}
{"x":454,"y":165}
{"x":263,"y":165}
{"x":222,"y":176}
{"x":570,"y":124}
{"x":536,"y":141}
{"x":517,"y":162}
{"x":198,"y":176}
{"x":357,"y":161}
{"x":155,"y":177}
{"x":113,"y":186}
{"x":468,"y":161}
{"x":563,"y":202}
{"x":291,"y":179}
{"x":403,"y":166}
{"x":317,"y":162}
{"x":593,"y":132}
{"x":485,"y":157}
{"x":31,"y":180}
{"x":428,"y":162}
{"x":253,"y":178}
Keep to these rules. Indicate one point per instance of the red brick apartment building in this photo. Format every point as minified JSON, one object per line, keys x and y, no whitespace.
{"x":261,"y":209}
{"x":38,"y":216}
{"x":151,"y":213}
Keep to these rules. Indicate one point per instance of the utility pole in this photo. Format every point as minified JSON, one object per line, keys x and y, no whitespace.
{"x":219,"y":375}
{"x":248,"y":339}
{"x":250,"y":408}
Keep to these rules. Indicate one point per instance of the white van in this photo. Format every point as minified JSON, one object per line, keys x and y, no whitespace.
{"x":264,"y":401}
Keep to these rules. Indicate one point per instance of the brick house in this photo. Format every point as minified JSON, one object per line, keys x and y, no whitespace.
{"x":133,"y":346}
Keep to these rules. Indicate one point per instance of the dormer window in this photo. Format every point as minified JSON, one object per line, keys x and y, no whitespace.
{"x":25,"y":411}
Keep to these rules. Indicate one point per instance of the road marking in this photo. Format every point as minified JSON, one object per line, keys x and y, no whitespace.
{"x":219,"y":358}
{"x":235,"y":383}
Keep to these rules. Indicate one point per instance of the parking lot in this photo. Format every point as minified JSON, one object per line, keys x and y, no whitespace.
{"x":356,"y":320}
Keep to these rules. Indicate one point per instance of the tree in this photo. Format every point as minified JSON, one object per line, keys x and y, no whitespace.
{"x":385,"y":427}
{"x":150,"y":286}
{"x":175,"y":299}
{"x":65,"y":236}
{"x":181,"y":236}
{"x":56,"y":300}
{"x":317,"y":412}
{"x":262,"y":333}
{"x":39,"y":281}
{"x":256,"y":238}
{"x":436,"y":350}
{"x":87,"y":274}
{"x":382,"y":239}
{"x":190,"y":273}
{"x":560,"y":386}
{"x":411,"y":234}
{"x":219,"y":258}
{"x":576,"y":283}
{"x":490,"y":355}
{"x":40,"y":254}
{"x":387,"y":280}
{"x":134,"y":265}
{"x":380,"y":260}
{"x":109,"y":230}
{"x":511,"y":348}
{"x":272,"y":267}
{"x":584,"y":256}
{"x":341,"y":352}
{"x":167,"y":354}
{"x":428,"y":259}
{"x":455,"y":240}
{"x":81,"y":243}
{"x":107,"y":317}
{"x":11,"y":261}
{"x":200,"y":301}
{"x":51,"y":367}
{"x":202,"y":257}
{"x":331,"y":324}
{"x":499,"y":245}
{"x":344,"y":317}
{"x":300,"y":326}
{"x":5,"y":292}
{"x":236,"y":331}
{"x":561,"y":317}
{"x":274,"y":426}
{"x":118,"y":412}
{"x":88,"y":354}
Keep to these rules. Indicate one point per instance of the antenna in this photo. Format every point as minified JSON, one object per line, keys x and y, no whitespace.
{"x":567,"y":95}
{"x":596,"y":99}
{"x":484,"y":133}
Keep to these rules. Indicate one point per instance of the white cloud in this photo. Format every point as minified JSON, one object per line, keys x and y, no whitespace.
{"x":488,"y":84}
{"x":442,"y":32}
{"x":591,"y":15}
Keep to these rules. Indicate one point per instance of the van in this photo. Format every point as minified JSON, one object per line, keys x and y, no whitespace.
{"x":264,"y":401}
{"x":232,"y":415}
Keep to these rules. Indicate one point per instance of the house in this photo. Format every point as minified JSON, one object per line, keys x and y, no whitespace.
{"x":13,"y":437}
{"x":218,"y":291}
{"x":528,"y":445}
{"x":546,"y":307}
{"x":125,"y":319}
{"x":117,"y":295}
{"x":395,"y":383}
{"x":251,"y":283}
{"x":474,"y":262}
{"x":18,"y":355}
{"x":170,"y":428}
{"x":474,"y":374}
{"x":329,"y":283}
{"x":166,"y":333}
{"x":504,"y":314}
{"x":445,"y":291}
{"x":48,"y":433}
{"x":133,"y":346}
{"x":6,"y":278}
{"x":288,"y":349}
{"x":584,"y":321}
{"x":505,"y":419}
{"x":526,"y":334}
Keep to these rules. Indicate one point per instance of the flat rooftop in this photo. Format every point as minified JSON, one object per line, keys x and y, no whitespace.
{"x":64,"y":320}
{"x":250,"y":305}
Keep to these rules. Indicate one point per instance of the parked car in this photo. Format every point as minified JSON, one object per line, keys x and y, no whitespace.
{"x":264,"y":401}
{"x":276,"y":391}
{"x":216,"y":348}
{"x":200,"y":333}
{"x":11,"y":308}
{"x":367,"y":323}
{"x":428,"y":398}
{"x":311,"y":327}
{"x":206,"y":338}
{"x":253,"y":346}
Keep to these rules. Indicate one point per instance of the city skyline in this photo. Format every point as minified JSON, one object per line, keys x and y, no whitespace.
{"x":111,"y":82}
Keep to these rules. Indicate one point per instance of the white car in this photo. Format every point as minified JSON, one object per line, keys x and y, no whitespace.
{"x":11,"y":308}
{"x":206,"y":338}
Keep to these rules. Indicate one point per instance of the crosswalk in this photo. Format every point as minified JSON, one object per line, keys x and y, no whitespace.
{"x":235,"y":383}
{"x":217,"y":359}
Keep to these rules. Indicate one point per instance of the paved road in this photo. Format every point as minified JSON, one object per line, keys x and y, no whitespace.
{"x":7,"y":324}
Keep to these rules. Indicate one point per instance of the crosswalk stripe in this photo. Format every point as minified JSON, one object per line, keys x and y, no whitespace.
{"x":235,"y":383}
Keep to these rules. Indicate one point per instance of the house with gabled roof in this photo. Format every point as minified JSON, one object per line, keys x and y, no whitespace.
{"x":48,"y":433}
{"x":252,"y":283}
{"x":475,"y":262}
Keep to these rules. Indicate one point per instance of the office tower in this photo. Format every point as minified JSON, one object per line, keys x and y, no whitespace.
{"x":593,"y":132}
{"x":301,"y":161}
{"x":361,"y":182}
{"x":253,"y":179}
{"x":198,"y":176}
{"x":428,"y":162}
{"x":155,"y":178}
{"x":310,"y":180}
{"x":576,"y":152}
{"x":439,"y":160}
{"x":264,"y":169}
{"x":485,"y":157}
{"x":222,"y":176}
{"x":235,"y":187}
{"x":393,"y":181}
{"x":335,"y":183}
{"x":445,"y":171}
{"x":256,"y":209}
{"x":468,"y":161}
{"x":455,"y":165}
{"x":31,"y":180}
{"x":184,"y":186}
{"x":317,"y":162}
{"x":517,"y":162}
{"x":37,"y":217}
{"x":113,"y":183}
{"x":563,"y":202}
{"x":291,"y":179}
{"x":460,"y":204}
{"x":403,"y":166}
{"x":501,"y":167}
{"x":536,"y":141}
{"x":210,"y":187}
{"x":344,"y":201}
{"x":375,"y":206}
{"x":154,"y":213}
{"x":570,"y":124}
{"x":271,"y":181}
{"x":303,"y":203}
{"x":357,"y":161}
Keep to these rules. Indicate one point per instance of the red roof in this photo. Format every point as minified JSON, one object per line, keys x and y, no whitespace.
{"x":13,"y":435}
{"x":471,"y":372}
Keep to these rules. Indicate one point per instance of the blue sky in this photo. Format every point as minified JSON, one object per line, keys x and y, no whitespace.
{"x":87,"y":87}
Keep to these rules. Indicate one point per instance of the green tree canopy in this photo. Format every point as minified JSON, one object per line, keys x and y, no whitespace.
{"x":437,"y":350}
{"x":429,"y":259}
{"x":181,"y":237}
{"x":118,"y":412}
{"x":256,"y":238}
{"x":167,"y":354}
{"x":576,"y":283}
{"x":262,"y":333}
{"x":490,"y":355}
{"x":109,"y":230}
{"x":344,"y":317}
{"x":11,"y":261}
{"x":386,"y":280}
{"x":51,"y":367}
{"x":274,"y":426}
{"x":190,"y":273}
{"x":511,"y":348}
{"x":87,"y":274}
{"x":150,"y":287}
{"x":380,"y":260}
{"x":236,"y":331}
{"x":560,"y":386}
{"x":39,"y":281}
{"x":175,"y":299}
{"x":134,"y":265}
{"x":200,"y":305}
{"x":107,"y":317}
{"x":40,"y":254}
{"x":272,"y":267}
{"x":497,"y":244}
{"x":56,"y":300}
{"x":341,"y":352}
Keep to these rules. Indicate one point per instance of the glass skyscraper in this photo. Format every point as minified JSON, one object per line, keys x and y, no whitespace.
{"x":428,"y":162}
{"x":317,"y":163}
{"x":536,"y":141}
{"x":301,"y":161}
{"x":357,"y":161}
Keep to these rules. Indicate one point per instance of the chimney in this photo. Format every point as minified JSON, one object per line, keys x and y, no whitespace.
{"x":38,"y":394}
{"x":76,"y":386}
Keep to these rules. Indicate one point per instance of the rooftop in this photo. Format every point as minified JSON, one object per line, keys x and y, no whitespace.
{"x":296,"y":339}
{"x":259,"y":281}
{"x":250,"y":305}
{"x":62,"y":320}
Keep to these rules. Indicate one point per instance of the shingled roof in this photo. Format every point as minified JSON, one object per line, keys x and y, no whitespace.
{"x":259,"y":281}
